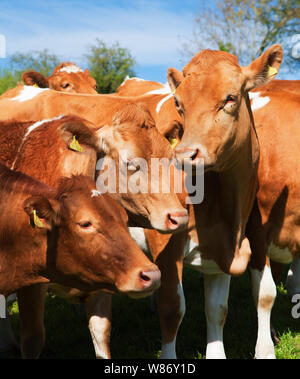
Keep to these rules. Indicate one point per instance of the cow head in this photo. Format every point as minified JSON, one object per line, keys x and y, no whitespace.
{"x":89,"y":246}
{"x":131,"y":149}
{"x":211,"y":96}
{"x":67,"y":77}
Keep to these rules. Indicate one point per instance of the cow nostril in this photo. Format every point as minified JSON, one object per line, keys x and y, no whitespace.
{"x":195,"y":155}
{"x":174,"y":222}
{"x":145,"y":277}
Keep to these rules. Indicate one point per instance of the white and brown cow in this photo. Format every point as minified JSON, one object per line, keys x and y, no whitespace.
{"x":212,"y":98}
{"x":66,"y":77}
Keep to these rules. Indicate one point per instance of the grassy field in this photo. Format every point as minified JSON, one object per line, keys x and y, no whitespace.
{"x":136,"y":332}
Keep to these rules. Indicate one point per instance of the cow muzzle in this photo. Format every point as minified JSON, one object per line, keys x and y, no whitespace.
{"x":143,"y":282}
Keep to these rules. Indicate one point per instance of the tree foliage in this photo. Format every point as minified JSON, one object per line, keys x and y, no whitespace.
{"x":245,"y":27}
{"x":41,"y":61}
{"x":109,"y":65}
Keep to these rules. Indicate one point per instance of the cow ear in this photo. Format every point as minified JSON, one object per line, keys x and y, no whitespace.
{"x":263,"y":69}
{"x":32,"y":78}
{"x":87,"y":71}
{"x":43,"y":214}
{"x":105,"y":137}
{"x":76,"y":134}
{"x":174,"y":77}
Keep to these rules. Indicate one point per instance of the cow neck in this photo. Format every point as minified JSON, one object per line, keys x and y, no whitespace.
{"x":228,"y":198}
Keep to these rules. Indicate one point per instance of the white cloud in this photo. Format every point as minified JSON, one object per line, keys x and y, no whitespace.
{"x":150,"y":31}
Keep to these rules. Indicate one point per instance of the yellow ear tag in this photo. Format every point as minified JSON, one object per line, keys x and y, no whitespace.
{"x":37,"y":221}
{"x":174,"y":91}
{"x":173,"y":142}
{"x":74,"y":145}
{"x":272,"y":71}
{"x":35,"y":85}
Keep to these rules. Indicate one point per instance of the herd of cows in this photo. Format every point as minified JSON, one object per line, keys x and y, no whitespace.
{"x":58,"y":230}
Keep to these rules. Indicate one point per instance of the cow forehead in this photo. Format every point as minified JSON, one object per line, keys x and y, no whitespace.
{"x":71,"y":69}
{"x":214,"y":83}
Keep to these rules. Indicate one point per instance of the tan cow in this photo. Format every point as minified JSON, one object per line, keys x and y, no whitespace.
{"x":66,"y":77}
{"x":138,"y":87}
{"x":274,"y":225}
{"x":281,"y":85}
{"x":212,"y":97}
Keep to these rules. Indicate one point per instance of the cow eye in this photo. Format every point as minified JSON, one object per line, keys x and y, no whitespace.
{"x":230,"y":99}
{"x":65,"y":85}
{"x":85,"y":224}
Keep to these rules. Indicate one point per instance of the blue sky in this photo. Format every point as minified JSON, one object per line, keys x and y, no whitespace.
{"x":153,"y":30}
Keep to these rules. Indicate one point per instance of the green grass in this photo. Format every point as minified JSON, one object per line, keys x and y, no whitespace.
{"x":136,"y":332}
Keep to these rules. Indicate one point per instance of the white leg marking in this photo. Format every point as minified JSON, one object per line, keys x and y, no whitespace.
{"x":98,"y":327}
{"x":98,"y":310}
{"x":264,"y":293}
{"x":216,"y":305}
{"x":168,"y":350}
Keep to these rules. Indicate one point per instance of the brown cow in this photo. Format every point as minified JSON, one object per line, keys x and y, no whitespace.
{"x":66,"y":77}
{"x":212,"y":97}
{"x":43,"y":150}
{"x":69,"y":236}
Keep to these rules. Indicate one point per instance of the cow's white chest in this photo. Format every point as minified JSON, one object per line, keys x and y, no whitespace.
{"x":280,"y":255}
{"x":194,"y":259}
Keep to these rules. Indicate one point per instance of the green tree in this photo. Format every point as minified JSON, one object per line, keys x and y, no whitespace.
{"x":109,"y":65}
{"x":41,"y":61}
{"x":245,"y":27}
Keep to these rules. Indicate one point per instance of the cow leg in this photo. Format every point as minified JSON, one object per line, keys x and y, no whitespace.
{"x":216,"y":305}
{"x":7,"y":338}
{"x":31,"y":307}
{"x":170,"y":296}
{"x":293,"y":278}
{"x":171,"y":310}
{"x":264,"y":294}
{"x":98,"y":310}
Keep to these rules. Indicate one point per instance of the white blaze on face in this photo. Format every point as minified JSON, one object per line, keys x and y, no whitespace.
{"x":28,"y":93}
{"x":72,"y":68}
{"x":257,"y":101}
